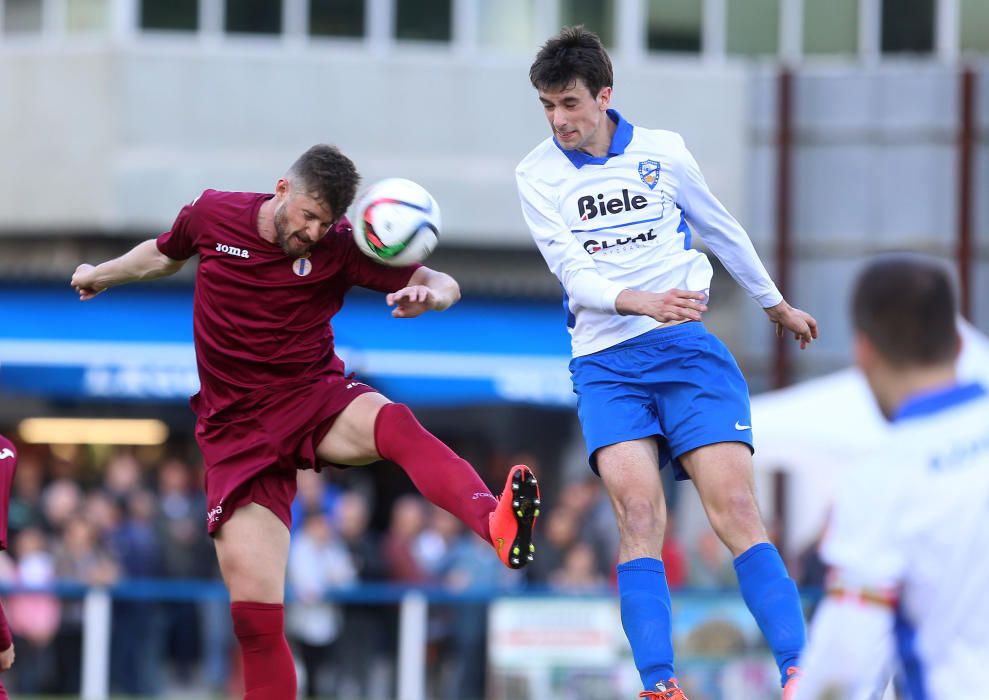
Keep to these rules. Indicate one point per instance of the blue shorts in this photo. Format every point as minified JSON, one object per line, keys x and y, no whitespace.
{"x":679,"y":384}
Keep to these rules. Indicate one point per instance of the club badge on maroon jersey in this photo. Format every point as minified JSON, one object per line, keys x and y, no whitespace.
{"x":302,"y":266}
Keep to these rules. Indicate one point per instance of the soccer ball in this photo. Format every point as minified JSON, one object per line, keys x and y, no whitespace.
{"x":398,"y":222}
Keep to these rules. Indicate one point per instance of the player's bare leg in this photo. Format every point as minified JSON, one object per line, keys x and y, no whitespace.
{"x":630,"y":472}
{"x":371,"y":428}
{"x":722,"y":473}
{"x":252,"y":548}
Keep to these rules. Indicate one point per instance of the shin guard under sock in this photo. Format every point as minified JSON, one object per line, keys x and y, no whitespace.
{"x":772,"y":598}
{"x":269,"y":670}
{"x":440,"y":475}
{"x":647,"y":618}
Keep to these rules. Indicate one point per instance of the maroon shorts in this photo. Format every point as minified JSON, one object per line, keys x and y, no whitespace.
{"x":252,"y":448}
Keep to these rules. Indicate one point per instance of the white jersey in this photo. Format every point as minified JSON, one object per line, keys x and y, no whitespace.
{"x":914,"y":521}
{"x":621,"y":222}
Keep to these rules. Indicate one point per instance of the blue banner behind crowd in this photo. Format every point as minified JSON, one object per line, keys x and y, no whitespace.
{"x":135,"y":343}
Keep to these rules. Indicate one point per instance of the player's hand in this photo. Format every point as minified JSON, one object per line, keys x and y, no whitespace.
{"x":7,"y":658}
{"x":674,"y":305}
{"x":84,"y":282}
{"x":414,"y":301}
{"x":800,"y":323}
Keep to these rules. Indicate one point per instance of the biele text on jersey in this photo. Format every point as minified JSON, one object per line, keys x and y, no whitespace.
{"x":624,"y":221}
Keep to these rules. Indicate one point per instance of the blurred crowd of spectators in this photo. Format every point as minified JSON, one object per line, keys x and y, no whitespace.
{"x":130,"y":516}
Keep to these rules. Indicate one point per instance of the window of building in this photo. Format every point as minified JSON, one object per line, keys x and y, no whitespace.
{"x":336,"y":18}
{"x":424,"y":20}
{"x":596,"y":15}
{"x":87,"y":16}
{"x":674,"y":25}
{"x":22,"y":17}
{"x":170,"y":15}
{"x":254,"y":16}
{"x":831,"y":27}
{"x":753,"y":27}
{"x":908,"y":26}
{"x":509,"y":24}
{"x":974,"y":25}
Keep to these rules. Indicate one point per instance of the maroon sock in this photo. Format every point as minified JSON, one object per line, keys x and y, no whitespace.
{"x":269,"y":671}
{"x":440,"y":475}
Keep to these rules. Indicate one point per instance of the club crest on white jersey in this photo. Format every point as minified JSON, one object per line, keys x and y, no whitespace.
{"x":649,"y":172}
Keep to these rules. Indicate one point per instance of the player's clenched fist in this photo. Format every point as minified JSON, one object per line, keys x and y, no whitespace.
{"x":674,"y":305}
{"x":84,"y":282}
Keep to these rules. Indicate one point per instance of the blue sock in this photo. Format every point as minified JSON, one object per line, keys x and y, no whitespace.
{"x":647,"y":618}
{"x":772,"y":598}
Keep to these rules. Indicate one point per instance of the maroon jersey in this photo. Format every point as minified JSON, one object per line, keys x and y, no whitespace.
{"x":260,"y":317}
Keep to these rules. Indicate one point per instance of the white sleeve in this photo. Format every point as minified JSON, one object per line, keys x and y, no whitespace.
{"x":865,"y":545}
{"x":723,"y":234}
{"x":563,"y":254}
{"x":849,"y":653}
{"x":850,"y":650}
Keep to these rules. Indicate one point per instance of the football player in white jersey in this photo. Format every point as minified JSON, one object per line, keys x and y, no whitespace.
{"x":907,"y":550}
{"x":611,"y":207}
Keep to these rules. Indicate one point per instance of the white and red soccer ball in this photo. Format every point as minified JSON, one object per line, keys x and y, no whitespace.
{"x":397,"y":222}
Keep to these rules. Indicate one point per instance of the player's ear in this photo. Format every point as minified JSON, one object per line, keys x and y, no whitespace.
{"x":282,"y":187}
{"x":604,"y":98}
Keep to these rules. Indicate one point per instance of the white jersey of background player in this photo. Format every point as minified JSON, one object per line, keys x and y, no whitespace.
{"x":908,"y":544}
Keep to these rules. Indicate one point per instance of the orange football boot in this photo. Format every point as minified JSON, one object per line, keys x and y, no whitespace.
{"x":669,"y":690}
{"x":511,"y":523}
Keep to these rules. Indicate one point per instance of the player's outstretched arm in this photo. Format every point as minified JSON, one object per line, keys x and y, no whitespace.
{"x":674,"y":305}
{"x":800,"y":323}
{"x":143,"y":262}
{"x":427,"y":290}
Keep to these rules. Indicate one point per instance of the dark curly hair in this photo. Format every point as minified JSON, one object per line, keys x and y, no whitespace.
{"x":326,"y":174}
{"x":574,"y":53}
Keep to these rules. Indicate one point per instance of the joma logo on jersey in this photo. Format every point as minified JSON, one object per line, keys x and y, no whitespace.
{"x":232,"y":250}
{"x":590,"y":205}
{"x":592,"y":246}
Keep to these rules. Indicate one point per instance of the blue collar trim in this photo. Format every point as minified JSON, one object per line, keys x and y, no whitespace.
{"x":929,"y":402}
{"x":619,"y":142}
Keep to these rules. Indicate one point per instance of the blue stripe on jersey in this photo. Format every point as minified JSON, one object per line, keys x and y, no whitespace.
{"x":605,"y":228}
{"x":906,"y":646}
{"x":619,"y":142}
{"x":685,"y":230}
{"x":924,"y":404}
{"x":571,"y":319}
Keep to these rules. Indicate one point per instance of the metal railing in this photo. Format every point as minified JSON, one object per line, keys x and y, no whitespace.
{"x":413,"y":603}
